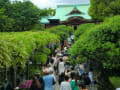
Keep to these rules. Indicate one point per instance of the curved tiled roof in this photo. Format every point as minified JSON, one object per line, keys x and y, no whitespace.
{"x":62,"y":12}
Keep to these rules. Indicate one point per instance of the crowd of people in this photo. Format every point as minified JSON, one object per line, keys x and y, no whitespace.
{"x":59,"y":70}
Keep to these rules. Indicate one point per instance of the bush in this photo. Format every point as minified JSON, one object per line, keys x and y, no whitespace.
{"x":83,"y":28}
{"x":115,"y":81}
{"x":62,"y":31}
{"x":100,"y":47}
{"x":101,"y":42}
{"x":16,"y":47}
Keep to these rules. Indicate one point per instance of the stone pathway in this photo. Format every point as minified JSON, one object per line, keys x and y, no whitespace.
{"x":57,"y":87}
{"x":93,"y":88}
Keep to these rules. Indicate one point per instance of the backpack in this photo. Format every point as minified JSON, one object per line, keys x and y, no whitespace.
{"x":81,"y":72}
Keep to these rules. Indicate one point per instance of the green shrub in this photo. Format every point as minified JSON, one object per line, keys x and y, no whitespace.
{"x":101,"y":42}
{"x":115,"y":81}
{"x":100,"y":47}
{"x":83,"y":28}
{"x":62,"y":30}
{"x":16,"y":47}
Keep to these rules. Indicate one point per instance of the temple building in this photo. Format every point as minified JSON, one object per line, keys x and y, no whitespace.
{"x":72,"y":15}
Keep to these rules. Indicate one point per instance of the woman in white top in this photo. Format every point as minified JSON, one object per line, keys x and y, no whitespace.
{"x":61,"y":67}
{"x":65,"y":85}
{"x":90,"y":75}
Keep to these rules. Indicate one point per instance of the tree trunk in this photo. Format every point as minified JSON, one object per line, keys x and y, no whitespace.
{"x":6,"y":73}
{"x":14,"y":78}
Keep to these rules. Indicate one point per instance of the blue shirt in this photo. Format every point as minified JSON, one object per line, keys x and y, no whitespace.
{"x":48,"y":82}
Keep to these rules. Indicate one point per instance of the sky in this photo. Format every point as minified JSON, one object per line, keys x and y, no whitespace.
{"x":52,"y":3}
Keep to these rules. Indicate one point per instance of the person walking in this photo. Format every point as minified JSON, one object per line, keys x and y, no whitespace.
{"x":61,"y":78}
{"x":65,"y":85}
{"x":7,"y":85}
{"x":90,"y":75}
{"x":75,"y":82}
{"x":48,"y":80}
{"x":61,"y":67}
{"x":37,"y":83}
{"x":52,"y":74}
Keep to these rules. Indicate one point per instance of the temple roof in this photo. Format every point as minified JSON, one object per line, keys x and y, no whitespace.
{"x":44,"y":20}
{"x":63,"y":12}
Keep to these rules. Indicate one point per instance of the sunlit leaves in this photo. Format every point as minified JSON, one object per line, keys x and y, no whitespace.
{"x":16,"y":48}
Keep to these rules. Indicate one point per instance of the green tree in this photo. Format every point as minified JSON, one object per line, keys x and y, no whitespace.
{"x":82,"y":28}
{"x":100,"y":47}
{"x":47,"y":12}
{"x":26,"y":15}
{"x":21,"y":16}
{"x":5,"y":21}
{"x":4,"y":3}
{"x":51,"y":11}
{"x":100,"y":9}
{"x":62,"y":30}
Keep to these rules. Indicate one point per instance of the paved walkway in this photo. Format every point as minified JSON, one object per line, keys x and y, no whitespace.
{"x":57,"y":86}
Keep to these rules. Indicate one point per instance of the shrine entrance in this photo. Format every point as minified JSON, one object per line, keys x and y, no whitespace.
{"x":74,"y":22}
{"x":75,"y":27}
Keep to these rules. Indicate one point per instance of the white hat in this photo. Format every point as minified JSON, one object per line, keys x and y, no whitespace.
{"x":51,"y":69}
{"x":65,"y":48}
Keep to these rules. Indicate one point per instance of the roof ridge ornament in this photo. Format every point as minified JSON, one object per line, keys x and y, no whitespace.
{"x":75,"y":6}
{"x":75,"y":10}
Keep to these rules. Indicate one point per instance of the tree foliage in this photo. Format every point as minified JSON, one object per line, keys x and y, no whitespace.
{"x":17,"y":47}
{"x":101,"y":41}
{"x":100,"y":9}
{"x":100,"y":46}
{"x":82,"y":28}
{"x":62,"y":30}
{"x":5,"y":21}
{"x":21,"y":16}
{"x":47,"y":12}
{"x":26,"y":15}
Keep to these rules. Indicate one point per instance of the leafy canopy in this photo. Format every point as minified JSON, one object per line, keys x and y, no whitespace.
{"x":16,"y":47}
{"x":82,"y":28}
{"x":62,"y":30}
{"x":21,"y":16}
{"x":100,"y":45}
{"x":100,"y":9}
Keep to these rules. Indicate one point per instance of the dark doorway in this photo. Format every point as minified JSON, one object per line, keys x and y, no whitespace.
{"x":75,"y":27}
